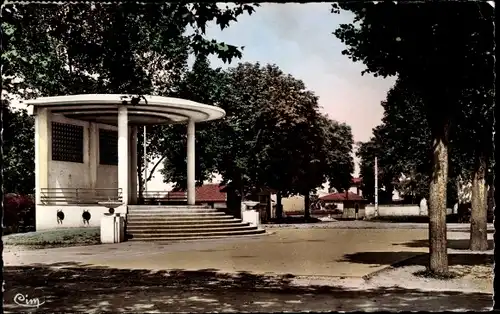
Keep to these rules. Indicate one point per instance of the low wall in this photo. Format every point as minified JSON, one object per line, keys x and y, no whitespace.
{"x":388,"y":210}
{"x":399,"y":210}
{"x":384,"y":211}
{"x":351,"y":213}
{"x":46,"y":216}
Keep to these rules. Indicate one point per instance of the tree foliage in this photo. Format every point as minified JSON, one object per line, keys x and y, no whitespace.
{"x":57,"y":49}
{"x":337,"y":147}
{"x":273,"y":135}
{"x":402,"y":144}
{"x":18,"y":150}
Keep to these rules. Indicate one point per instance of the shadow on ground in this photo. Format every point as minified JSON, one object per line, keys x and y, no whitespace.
{"x":398,"y":259}
{"x":462,"y":244}
{"x":77,"y":288}
{"x":294,"y":220}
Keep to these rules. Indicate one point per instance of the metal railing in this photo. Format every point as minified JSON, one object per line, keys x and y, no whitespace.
{"x":79,"y":196}
{"x":163,"y":197}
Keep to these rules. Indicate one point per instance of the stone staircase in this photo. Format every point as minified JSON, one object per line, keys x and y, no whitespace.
{"x":168,"y":223}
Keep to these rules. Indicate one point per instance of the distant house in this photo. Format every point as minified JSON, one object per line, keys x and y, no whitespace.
{"x":215,"y":196}
{"x":344,"y":200}
{"x":211,"y":195}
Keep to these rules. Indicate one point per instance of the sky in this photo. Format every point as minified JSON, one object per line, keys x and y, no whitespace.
{"x":298,"y":38}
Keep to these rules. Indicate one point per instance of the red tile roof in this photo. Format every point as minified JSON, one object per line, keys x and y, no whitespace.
{"x":210,"y":193}
{"x":339,"y":197}
{"x":204,"y":193}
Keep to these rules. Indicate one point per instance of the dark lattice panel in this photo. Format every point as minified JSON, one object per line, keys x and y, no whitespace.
{"x":108,"y":147}
{"x":67,"y":142}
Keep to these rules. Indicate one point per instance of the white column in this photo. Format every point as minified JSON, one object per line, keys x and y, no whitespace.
{"x":191,"y":187}
{"x":42,"y":146}
{"x":133,"y":166}
{"x":123,"y":165}
{"x":93,"y":153}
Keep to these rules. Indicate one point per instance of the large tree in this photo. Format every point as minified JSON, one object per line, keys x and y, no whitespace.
{"x":474,"y":156}
{"x":328,"y":158}
{"x":402,"y":145}
{"x":18,"y":150}
{"x":338,"y":145}
{"x":272,"y":136}
{"x":427,"y":45}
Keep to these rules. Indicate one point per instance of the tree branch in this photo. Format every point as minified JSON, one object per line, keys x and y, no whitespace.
{"x":154,"y":168}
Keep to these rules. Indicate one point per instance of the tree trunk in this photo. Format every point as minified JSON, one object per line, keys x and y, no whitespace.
{"x":390,"y":190}
{"x":234,"y":203}
{"x":279,"y":207}
{"x":269,"y":208}
{"x":438,"y":257}
{"x":479,"y":212}
{"x":307,"y":206}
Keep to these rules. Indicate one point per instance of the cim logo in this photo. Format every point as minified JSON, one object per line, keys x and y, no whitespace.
{"x":33,"y":299}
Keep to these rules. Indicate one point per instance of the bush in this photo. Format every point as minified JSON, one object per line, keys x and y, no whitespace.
{"x":19,"y":213}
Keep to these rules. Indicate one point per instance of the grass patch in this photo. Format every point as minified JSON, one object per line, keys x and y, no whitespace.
{"x":55,"y":238}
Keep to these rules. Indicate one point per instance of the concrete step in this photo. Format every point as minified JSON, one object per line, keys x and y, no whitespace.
{"x":187,"y":220}
{"x":188,"y":239}
{"x":193,"y":235}
{"x":186,"y":207}
{"x":175,"y":215}
{"x":171,"y":223}
{"x":181,"y":220}
{"x":155,"y":225}
{"x":173,"y":210}
{"x":168,"y":231}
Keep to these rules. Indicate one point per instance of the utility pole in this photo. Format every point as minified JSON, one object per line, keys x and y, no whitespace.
{"x":145,"y":162}
{"x":376,"y":187}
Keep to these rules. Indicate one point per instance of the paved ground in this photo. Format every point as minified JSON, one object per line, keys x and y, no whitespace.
{"x":313,"y":269}
{"x":367,"y":224}
{"x":320,"y":252}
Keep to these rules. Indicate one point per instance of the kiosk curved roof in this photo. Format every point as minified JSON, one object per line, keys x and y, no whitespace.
{"x":103,"y":108}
